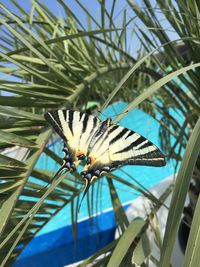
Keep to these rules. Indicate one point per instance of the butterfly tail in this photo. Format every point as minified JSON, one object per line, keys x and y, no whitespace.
{"x":54,"y":178}
{"x":87,"y":186}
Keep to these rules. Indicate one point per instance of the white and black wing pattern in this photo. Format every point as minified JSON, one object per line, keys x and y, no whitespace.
{"x":127,"y":147}
{"x":99,"y":155}
{"x":76,"y":129}
{"x":104,"y":145}
{"x":119,"y":146}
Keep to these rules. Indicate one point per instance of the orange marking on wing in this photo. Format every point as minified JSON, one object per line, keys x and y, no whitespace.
{"x":92,"y":160}
{"x":79,"y":153}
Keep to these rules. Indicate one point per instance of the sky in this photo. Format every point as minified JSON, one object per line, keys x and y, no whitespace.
{"x":94,"y":8}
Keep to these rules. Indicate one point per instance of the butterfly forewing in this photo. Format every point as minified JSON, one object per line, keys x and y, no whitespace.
{"x":118,"y":146}
{"x":99,"y":146}
{"x":128,"y":147}
{"x":76,"y":128}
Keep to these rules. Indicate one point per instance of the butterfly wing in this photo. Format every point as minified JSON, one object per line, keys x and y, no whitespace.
{"x":119,"y":146}
{"x":127,"y":147}
{"x":99,"y":146}
{"x":107,"y":146}
{"x":75,"y":128}
{"x":98,"y":156}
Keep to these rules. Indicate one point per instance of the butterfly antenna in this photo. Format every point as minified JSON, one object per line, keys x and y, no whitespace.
{"x":119,"y":114}
{"x":112,"y":115}
{"x":54,"y":178}
{"x":87,"y":186}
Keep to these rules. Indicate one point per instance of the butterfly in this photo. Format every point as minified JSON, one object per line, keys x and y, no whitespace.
{"x":103,"y":145}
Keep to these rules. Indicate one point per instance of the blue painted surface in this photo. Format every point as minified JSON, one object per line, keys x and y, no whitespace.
{"x":58,"y":248}
{"x":56,"y":237}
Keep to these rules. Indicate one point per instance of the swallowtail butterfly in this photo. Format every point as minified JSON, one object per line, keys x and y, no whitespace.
{"x":103,"y":145}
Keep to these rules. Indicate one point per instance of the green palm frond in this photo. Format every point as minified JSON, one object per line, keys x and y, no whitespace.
{"x":49,"y":62}
{"x":55,"y":63}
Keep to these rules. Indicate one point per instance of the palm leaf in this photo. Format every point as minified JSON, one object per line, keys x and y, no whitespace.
{"x":51,"y":62}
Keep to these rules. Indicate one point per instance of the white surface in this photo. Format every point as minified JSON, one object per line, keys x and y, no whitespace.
{"x":142,"y":206}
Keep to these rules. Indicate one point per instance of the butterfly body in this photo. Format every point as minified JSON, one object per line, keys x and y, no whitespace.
{"x":103,"y":145}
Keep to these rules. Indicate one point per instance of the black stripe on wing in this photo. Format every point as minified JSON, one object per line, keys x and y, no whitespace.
{"x":95,"y":121}
{"x":85,"y":122}
{"x":133,"y":145}
{"x":70,"y":120}
{"x":103,"y":126}
{"x":138,"y":152}
{"x":156,"y":162}
{"x":119,"y":135}
{"x":52,"y":117}
{"x":153,"y":158}
{"x":130,"y":134}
